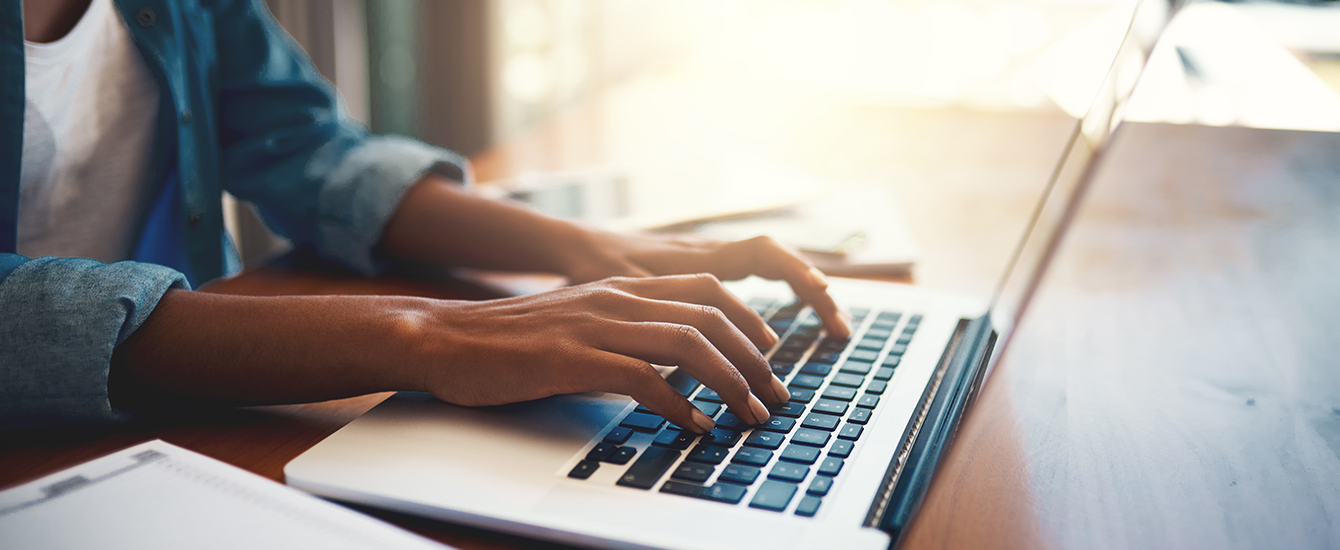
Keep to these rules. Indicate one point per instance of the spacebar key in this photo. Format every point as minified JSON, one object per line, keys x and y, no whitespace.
{"x":649,"y":467}
{"x":729,"y":493}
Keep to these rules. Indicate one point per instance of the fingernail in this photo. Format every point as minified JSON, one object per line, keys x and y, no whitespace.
{"x":760,"y":410}
{"x":817,"y":277}
{"x":772,"y":336}
{"x":703,"y":422}
{"x":779,"y":389}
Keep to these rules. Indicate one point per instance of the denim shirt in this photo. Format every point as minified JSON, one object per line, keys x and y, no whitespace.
{"x":244,"y":111}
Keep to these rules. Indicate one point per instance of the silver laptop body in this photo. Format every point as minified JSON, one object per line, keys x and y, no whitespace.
{"x":551,"y":469}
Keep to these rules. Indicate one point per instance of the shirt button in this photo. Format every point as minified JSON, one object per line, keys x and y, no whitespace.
{"x":194,"y":219}
{"x":146,"y":17}
{"x":186,"y":116}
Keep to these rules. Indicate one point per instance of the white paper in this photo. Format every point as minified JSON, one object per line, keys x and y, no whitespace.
{"x":157,"y":495}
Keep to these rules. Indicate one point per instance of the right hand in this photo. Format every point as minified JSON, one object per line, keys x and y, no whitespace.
{"x":601,"y":336}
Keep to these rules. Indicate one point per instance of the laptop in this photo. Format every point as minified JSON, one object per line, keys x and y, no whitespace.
{"x":844,"y":464}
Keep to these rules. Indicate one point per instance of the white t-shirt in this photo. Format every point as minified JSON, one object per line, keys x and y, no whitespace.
{"x":88,"y":132}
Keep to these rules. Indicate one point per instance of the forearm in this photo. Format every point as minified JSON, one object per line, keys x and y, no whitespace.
{"x":202,"y":349}
{"x":438,"y":221}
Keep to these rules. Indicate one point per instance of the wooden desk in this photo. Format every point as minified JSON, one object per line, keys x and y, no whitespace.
{"x":1173,"y":385}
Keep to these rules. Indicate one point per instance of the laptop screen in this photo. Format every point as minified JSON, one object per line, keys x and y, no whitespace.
{"x":1074,"y":170}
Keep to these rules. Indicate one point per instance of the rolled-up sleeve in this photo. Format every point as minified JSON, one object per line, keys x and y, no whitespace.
{"x":62,"y":319}
{"x":289,"y":146}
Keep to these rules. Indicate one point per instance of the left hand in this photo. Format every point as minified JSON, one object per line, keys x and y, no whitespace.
{"x":622,"y":255}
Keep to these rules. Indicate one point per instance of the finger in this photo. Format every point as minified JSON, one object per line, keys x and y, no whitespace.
{"x":592,"y":273}
{"x":641,"y":381}
{"x":721,"y":333}
{"x":684,"y":346}
{"x":706,"y":290}
{"x":765,"y":257}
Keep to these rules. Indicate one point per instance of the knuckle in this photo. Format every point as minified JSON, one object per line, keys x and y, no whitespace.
{"x":686,"y":336}
{"x":707,"y":280}
{"x":708,"y":315}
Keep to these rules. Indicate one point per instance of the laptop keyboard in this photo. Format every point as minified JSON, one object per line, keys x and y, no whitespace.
{"x":835,"y":386}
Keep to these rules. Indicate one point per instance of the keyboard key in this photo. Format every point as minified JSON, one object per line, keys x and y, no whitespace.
{"x":728,"y":493}
{"x":859,"y":415}
{"x":898,"y":349}
{"x":888,"y":317}
{"x":892,"y":361}
{"x":675,"y":439}
{"x":840,"y":393}
{"x":809,"y":505}
{"x":829,"y":357}
{"x":752,"y":456}
{"x":766,"y":440}
{"x":830,"y":466}
{"x":882,"y":324}
{"x":841,"y":448}
{"x":905,"y":337}
{"x":773,"y":495}
{"x":780,"y":424}
{"x":829,"y":343}
{"x":601,"y":451}
{"x":708,"y":408}
{"x":851,"y":431}
{"x":649,"y":467}
{"x":785,"y":471}
{"x":801,"y":453}
{"x":789,"y":410}
{"x":877,"y":387}
{"x":729,"y":421}
{"x":682,"y":382}
{"x":850,"y":380}
{"x":584,"y":469}
{"x":879,"y":332}
{"x":821,"y":421}
{"x":884,"y":373}
{"x":790,"y":350}
{"x":816,"y":369}
{"x":643,"y":422}
{"x":708,"y":454}
{"x":858,"y":312}
{"x":725,"y":438}
{"x":782,"y":367}
{"x":709,"y":394}
{"x":623,"y":455}
{"x":820,"y":485}
{"x":806,"y":436}
{"x":692,"y":471}
{"x":800,"y":395}
{"x":873,"y":344}
{"x":807,"y":381}
{"x":618,"y":436}
{"x":740,"y":473}
{"x":857,"y":367}
{"x":864,"y":355}
{"x":831,"y":407}
{"x":868,"y":401}
{"x":914,"y":321}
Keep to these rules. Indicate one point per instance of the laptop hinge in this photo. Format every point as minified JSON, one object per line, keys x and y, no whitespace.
{"x":932,"y":428}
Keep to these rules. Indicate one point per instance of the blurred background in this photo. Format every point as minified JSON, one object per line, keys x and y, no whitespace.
{"x":932,"y":97}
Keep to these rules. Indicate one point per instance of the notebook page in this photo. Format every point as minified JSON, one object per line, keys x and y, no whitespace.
{"x":156,"y":495}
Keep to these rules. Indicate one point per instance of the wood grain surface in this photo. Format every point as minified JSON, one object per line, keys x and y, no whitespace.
{"x":1175,"y":383}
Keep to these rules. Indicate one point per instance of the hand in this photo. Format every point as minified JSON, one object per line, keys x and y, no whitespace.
{"x":440,"y":222}
{"x":609,"y":254}
{"x":601,"y":336}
